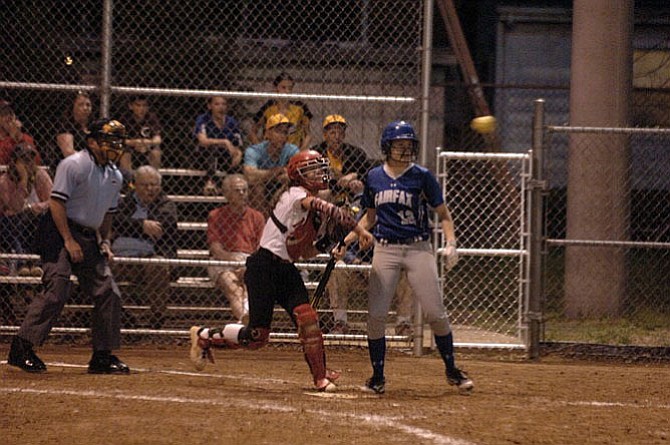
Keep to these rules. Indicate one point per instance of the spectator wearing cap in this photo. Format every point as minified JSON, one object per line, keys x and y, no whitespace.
{"x":11,"y":134}
{"x":265,"y":162}
{"x":219,"y":142}
{"x":348,"y":163}
{"x":296,"y":111}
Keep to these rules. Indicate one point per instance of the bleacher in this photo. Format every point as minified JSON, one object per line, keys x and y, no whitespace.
{"x":192,"y":294}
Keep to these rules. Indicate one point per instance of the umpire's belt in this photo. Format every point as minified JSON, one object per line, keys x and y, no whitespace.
{"x":403,"y":241}
{"x":86,"y":231}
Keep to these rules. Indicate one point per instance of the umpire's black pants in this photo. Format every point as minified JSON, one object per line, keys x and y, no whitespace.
{"x":95,"y":280}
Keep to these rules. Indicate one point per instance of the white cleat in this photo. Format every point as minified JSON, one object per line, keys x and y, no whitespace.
{"x":200,"y":352}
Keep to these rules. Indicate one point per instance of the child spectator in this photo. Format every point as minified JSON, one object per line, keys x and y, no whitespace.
{"x":296,"y":111}
{"x":144,"y":136}
{"x":219,"y":142}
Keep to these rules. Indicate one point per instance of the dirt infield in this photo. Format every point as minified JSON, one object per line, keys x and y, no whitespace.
{"x":265,"y":397}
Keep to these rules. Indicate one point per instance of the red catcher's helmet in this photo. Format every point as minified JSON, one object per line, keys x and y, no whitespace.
{"x":310,"y":170}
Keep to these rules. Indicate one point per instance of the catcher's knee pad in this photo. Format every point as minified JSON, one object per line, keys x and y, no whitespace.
{"x":311,"y":339}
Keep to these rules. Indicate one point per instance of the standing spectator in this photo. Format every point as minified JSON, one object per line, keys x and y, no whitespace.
{"x":296,"y":111}
{"x":24,"y":196}
{"x":233,"y":233}
{"x":265,"y":163}
{"x":146,"y":227}
{"x":272,"y":277}
{"x":11,"y":134}
{"x":84,"y":197}
{"x":396,"y":198}
{"x":73,"y":127}
{"x":219,"y":142}
{"x":144,"y":136}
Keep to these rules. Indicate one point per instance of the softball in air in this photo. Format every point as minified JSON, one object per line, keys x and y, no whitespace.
{"x":484,"y":124}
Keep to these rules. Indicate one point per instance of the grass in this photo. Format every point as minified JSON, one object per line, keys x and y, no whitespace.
{"x":645,"y":328}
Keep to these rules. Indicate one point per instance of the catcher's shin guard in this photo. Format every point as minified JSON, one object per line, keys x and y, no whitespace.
{"x":312,"y":340}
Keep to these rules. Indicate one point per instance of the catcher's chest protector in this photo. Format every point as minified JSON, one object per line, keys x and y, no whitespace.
{"x":300,"y":244}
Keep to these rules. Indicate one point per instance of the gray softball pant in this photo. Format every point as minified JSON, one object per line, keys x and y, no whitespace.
{"x":418,"y":259}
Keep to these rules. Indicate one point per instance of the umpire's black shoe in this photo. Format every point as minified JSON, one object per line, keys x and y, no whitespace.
{"x":21,"y":355}
{"x":106,"y":363}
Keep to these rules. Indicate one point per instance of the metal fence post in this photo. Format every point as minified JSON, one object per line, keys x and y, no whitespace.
{"x":536,"y":187}
{"x":106,"y":78}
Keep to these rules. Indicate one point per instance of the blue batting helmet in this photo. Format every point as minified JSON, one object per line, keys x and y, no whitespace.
{"x":395,"y":131}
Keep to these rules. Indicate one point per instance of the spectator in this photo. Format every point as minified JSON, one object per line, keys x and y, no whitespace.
{"x":233,"y":233}
{"x":265,"y":163}
{"x":349,"y":163}
{"x":11,"y":134}
{"x":219,"y":142}
{"x":296,"y":111}
{"x":144,"y":136}
{"x":83,"y":199}
{"x":24,"y":195}
{"x":73,"y":127}
{"x":146,"y":227}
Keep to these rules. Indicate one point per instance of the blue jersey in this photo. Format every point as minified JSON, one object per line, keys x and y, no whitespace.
{"x":230,"y":130}
{"x":402,"y":203}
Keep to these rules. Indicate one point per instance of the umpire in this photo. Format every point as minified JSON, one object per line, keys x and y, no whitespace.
{"x":73,"y":238}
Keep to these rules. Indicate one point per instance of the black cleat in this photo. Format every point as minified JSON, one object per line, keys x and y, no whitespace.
{"x":375,"y":385}
{"x":107,"y":364}
{"x":21,"y":355}
{"x":460,"y":379}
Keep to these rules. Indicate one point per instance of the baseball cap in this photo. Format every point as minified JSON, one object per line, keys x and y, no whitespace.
{"x":276,"y":119}
{"x":334,"y":119}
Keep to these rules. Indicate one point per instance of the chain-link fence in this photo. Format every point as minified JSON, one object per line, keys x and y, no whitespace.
{"x":183,"y":77}
{"x":486,"y":293}
{"x":606,"y":278}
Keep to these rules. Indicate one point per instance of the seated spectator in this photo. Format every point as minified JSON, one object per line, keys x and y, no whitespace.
{"x":11,"y":134}
{"x":73,"y":128}
{"x":24,"y":196}
{"x":143,"y":136}
{"x":233,"y":233}
{"x":146,"y":227}
{"x":219,"y":142}
{"x":349,"y":164}
{"x":296,"y":111}
{"x":265,"y":163}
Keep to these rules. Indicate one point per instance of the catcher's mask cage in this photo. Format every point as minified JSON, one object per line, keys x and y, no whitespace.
{"x":309,"y":169}
{"x":110,"y":134}
{"x":399,"y":131}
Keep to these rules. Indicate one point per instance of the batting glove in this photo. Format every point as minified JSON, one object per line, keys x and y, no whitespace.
{"x":450,"y":255}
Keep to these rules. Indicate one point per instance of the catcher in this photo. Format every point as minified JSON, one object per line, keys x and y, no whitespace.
{"x":290,"y":234}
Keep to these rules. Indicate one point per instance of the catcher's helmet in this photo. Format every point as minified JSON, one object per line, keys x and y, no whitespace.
{"x":110,"y":135}
{"x":309,"y":169}
{"x":396,"y":131}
